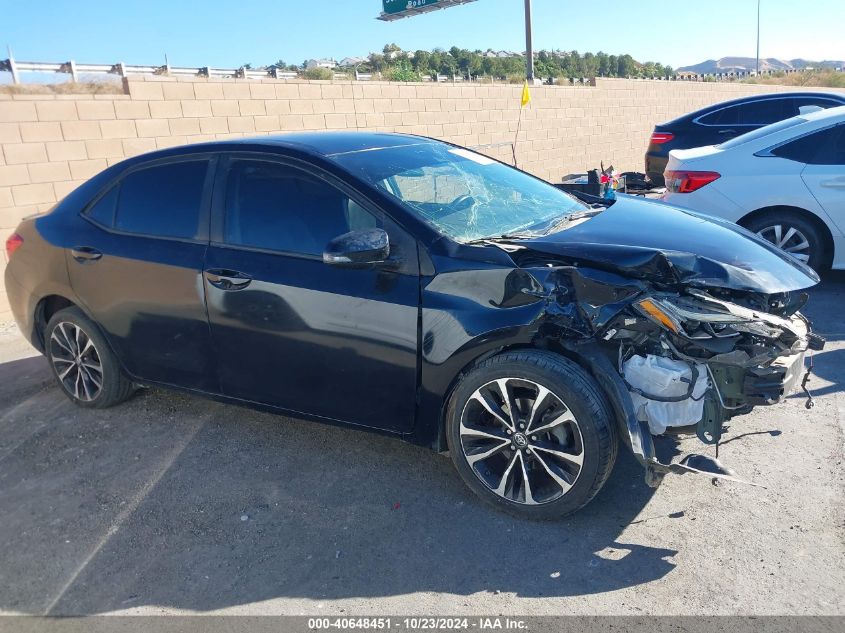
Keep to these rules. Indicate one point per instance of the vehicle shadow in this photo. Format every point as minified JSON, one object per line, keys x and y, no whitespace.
{"x":177,"y":502}
{"x":825,"y":311}
{"x":21,"y":378}
{"x":824,"y":308}
{"x":254,"y":507}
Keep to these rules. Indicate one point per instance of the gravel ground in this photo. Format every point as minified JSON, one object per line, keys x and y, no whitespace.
{"x":174,"y":504}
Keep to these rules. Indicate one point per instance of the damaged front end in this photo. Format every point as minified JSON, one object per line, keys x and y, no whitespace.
{"x":691,"y":361}
{"x":685,"y":321}
{"x":677,"y":360}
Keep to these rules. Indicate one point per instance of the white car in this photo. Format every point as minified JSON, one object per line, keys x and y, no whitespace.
{"x":785,"y":182}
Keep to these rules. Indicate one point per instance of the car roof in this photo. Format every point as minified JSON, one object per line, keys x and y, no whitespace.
{"x":344,"y":142}
{"x":779,"y":95}
{"x":321,"y":144}
{"x":835,"y":96}
{"x":781,"y":132}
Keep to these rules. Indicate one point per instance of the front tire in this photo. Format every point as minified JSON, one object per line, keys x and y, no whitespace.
{"x":531,"y":433}
{"x":82,"y":362}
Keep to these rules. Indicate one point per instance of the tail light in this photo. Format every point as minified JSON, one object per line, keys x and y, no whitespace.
{"x":658,"y":138}
{"x":688,"y":181}
{"x":13,"y":243}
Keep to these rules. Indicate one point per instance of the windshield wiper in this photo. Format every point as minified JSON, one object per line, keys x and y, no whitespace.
{"x":552,"y":228}
{"x":566,"y":220}
{"x":504,"y":237}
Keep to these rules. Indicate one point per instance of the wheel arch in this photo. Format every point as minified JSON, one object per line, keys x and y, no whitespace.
{"x":542,"y":345}
{"x":818,"y":222}
{"x":46,"y":307}
{"x":50,"y":304}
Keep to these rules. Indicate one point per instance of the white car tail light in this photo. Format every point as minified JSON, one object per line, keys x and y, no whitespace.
{"x":689,"y":181}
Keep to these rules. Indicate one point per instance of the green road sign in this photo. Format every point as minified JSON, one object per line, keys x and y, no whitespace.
{"x":397,"y":6}
{"x":397,"y":9}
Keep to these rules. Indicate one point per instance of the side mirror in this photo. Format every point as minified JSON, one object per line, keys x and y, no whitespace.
{"x":358,"y":248}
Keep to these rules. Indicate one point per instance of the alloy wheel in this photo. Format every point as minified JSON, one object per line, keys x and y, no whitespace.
{"x":76,"y":361}
{"x":788,"y":238}
{"x":522,"y":441}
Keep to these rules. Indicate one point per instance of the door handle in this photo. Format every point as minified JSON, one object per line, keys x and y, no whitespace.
{"x":85,"y":254}
{"x":833,"y":183}
{"x":227,"y":279}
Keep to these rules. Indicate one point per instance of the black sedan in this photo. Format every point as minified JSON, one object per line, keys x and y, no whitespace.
{"x":723,"y":121}
{"x":415,"y":288}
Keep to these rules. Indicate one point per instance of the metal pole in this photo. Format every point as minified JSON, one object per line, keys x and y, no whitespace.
{"x":758,"y":38}
{"x":16,"y":78}
{"x":529,"y":49}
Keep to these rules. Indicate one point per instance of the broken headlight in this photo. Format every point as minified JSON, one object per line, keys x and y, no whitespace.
{"x":702,"y":317}
{"x":678,"y":314}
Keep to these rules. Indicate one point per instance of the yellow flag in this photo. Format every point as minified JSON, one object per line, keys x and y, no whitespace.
{"x":526,"y":95}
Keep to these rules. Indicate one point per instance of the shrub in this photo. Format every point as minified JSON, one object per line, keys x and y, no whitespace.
{"x":402,"y":72}
{"x":67,"y":87}
{"x":318,"y":73}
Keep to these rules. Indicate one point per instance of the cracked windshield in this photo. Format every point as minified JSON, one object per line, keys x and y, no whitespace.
{"x":464,"y":195}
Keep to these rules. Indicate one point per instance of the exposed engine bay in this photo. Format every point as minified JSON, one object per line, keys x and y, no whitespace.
{"x":710,"y":359}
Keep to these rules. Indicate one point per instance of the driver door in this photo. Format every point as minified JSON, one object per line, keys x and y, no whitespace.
{"x":293,"y":332}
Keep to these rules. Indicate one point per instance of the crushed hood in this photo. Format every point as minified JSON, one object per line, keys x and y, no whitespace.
{"x":665,"y":244}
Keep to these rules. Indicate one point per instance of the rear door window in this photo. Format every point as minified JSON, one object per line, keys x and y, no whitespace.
{"x":765,"y":111}
{"x":753,"y":113}
{"x":824,"y":147}
{"x":162,"y":201}
{"x":830,"y":146}
{"x":102,"y":211}
{"x":833,"y":152}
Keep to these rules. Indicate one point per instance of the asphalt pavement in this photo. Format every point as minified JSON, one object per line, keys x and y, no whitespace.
{"x":175,"y":504}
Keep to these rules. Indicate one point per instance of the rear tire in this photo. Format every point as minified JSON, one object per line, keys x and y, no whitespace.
{"x":542,"y":451}
{"x":793,"y":233}
{"x":82,"y":362}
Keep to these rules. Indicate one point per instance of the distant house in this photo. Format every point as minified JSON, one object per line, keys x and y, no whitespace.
{"x":320,"y":63}
{"x":348,"y":62}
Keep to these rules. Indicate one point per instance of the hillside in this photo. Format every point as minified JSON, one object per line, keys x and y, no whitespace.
{"x":747,"y":64}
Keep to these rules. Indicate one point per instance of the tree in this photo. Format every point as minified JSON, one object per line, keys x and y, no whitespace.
{"x":377,"y":63}
{"x":626,"y":66}
{"x":422,"y":62}
{"x":392,"y":61}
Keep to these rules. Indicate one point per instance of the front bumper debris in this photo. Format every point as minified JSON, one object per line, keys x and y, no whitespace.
{"x":688,"y":363}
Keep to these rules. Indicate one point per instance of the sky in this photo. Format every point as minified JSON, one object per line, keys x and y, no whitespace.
{"x":226,"y":34}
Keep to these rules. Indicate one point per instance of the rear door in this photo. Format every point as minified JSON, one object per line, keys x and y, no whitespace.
{"x":292,"y":331}
{"x":824,"y":174}
{"x":138,"y":269}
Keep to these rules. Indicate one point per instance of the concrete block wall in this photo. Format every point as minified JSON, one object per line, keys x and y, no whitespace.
{"x":49,"y":144}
